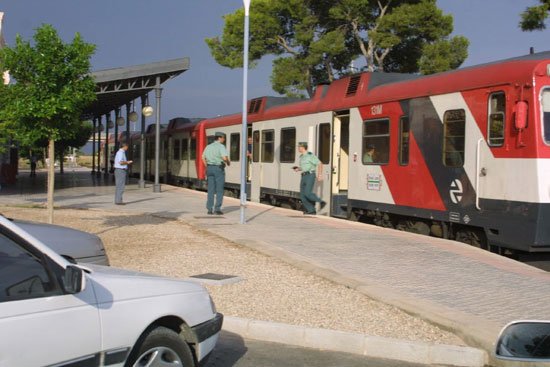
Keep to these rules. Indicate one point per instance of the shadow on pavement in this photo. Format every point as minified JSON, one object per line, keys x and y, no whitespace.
{"x":229,"y":350}
{"x":260,"y":213}
{"x":126,"y":220}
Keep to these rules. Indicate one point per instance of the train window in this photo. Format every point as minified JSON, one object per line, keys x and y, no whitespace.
{"x":404,"y":131}
{"x":176,"y":150}
{"x":495,"y":128}
{"x":325,"y":143}
{"x":454,"y":129}
{"x":376,"y":142}
{"x":234,"y":146}
{"x":193,"y":150}
{"x":256,"y":146}
{"x":210,"y":139}
{"x":184,"y":149}
{"x":545,"y":101}
{"x":288,"y":145}
{"x":268,"y":145}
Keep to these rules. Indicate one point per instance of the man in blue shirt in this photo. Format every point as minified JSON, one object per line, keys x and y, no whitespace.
{"x":121,"y":169}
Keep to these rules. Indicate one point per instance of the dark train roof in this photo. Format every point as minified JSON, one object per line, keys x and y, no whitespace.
{"x":183,"y":122}
{"x":151,"y":128}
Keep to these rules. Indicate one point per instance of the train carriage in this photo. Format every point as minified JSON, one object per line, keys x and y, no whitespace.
{"x":463,"y":155}
{"x":184,"y":168}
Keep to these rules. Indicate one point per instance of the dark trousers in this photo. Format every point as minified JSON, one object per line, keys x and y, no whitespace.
{"x":215,"y":176}
{"x":306,"y":193}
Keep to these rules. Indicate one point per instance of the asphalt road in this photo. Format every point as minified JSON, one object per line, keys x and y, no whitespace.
{"x":234,"y":351}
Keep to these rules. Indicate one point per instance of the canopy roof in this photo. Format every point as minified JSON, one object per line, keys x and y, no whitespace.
{"x":119,"y":86}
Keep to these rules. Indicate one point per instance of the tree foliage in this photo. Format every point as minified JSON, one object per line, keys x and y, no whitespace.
{"x":315,"y":41}
{"x":533,"y":17}
{"x":52,"y":85}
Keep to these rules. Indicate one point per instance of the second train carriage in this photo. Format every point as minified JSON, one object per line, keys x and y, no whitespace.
{"x":462,"y":155}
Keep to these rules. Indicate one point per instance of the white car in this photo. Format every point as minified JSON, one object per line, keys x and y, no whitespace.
{"x":72,"y":244}
{"x":54,"y":313}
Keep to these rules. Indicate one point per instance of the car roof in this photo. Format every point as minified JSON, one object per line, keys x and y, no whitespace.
{"x":6,"y":223}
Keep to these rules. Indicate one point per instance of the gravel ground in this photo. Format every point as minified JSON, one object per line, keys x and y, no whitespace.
{"x":271,"y":290}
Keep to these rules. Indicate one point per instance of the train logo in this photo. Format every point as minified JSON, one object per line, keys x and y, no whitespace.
{"x":456,"y":191}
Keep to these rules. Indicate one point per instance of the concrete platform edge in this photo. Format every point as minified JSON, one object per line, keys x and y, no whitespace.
{"x":474,"y":331}
{"x":371,"y":346}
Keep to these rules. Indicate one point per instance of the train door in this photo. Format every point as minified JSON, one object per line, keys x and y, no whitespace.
{"x":488,"y":182}
{"x":167,"y":158}
{"x":340,"y":164}
{"x":256,"y":167}
{"x":184,"y":169}
{"x":325,"y":140}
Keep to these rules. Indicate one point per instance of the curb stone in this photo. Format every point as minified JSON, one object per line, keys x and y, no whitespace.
{"x":371,"y":346}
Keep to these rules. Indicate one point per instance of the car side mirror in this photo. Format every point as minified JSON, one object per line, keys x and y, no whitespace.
{"x":73,"y":279}
{"x":527,"y":341}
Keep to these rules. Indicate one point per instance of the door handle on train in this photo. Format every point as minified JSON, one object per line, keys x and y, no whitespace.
{"x":483,"y":172}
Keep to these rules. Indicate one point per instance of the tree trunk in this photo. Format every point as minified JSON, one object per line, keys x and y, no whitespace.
{"x":51,"y":179}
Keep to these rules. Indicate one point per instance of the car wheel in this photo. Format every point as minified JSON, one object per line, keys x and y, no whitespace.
{"x":161,"y":347}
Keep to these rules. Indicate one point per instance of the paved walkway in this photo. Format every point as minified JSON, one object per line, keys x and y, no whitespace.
{"x":469,"y":291}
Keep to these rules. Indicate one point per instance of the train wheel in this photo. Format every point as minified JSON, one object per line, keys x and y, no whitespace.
{"x":472,"y":237}
{"x":414,"y":227}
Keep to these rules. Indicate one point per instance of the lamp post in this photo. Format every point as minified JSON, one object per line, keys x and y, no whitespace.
{"x":146,"y":111}
{"x":244,"y":144}
{"x":158,"y":92}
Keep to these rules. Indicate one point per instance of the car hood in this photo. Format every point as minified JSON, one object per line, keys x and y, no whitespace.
{"x":64,"y":240}
{"x":114,"y":284}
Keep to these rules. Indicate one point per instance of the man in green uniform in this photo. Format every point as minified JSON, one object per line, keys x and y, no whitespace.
{"x":215,"y":158}
{"x":309,"y":166}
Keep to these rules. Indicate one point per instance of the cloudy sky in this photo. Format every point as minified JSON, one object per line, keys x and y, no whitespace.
{"x":131,"y":32}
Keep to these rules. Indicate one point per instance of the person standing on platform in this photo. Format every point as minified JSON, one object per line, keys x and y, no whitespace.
{"x":121,"y":170}
{"x":215,"y":158}
{"x":33,"y":165}
{"x":310,"y":166}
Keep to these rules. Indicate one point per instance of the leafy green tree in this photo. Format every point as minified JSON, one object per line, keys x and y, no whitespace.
{"x":315,"y":41}
{"x":533,"y":17}
{"x":444,"y":55}
{"x":52,"y":87}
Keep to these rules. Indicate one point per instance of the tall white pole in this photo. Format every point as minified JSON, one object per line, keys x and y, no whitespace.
{"x":244,"y":129}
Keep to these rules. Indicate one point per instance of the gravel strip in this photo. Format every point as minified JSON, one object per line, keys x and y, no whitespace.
{"x":271,"y":290}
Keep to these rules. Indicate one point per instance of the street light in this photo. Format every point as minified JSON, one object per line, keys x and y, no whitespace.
{"x":244,"y":144}
{"x":133,"y":116}
{"x":147,"y":111}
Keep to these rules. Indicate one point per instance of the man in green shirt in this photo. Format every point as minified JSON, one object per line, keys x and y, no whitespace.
{"x":309,"y":167}
{"x":215,"y":158}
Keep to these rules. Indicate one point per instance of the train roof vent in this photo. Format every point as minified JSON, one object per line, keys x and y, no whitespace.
{"x":353,"y":85}
{"x":255,"y":105}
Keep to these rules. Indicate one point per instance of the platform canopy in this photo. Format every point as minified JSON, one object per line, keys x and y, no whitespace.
{"x":120,"y":86}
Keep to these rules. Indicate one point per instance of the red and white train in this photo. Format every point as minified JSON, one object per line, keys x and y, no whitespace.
{"x":463,"y":155}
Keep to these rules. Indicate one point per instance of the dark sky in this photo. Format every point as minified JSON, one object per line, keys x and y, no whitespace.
{"x":131,"y":32}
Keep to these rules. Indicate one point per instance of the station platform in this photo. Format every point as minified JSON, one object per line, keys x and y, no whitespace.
{"x":468,"y":291}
